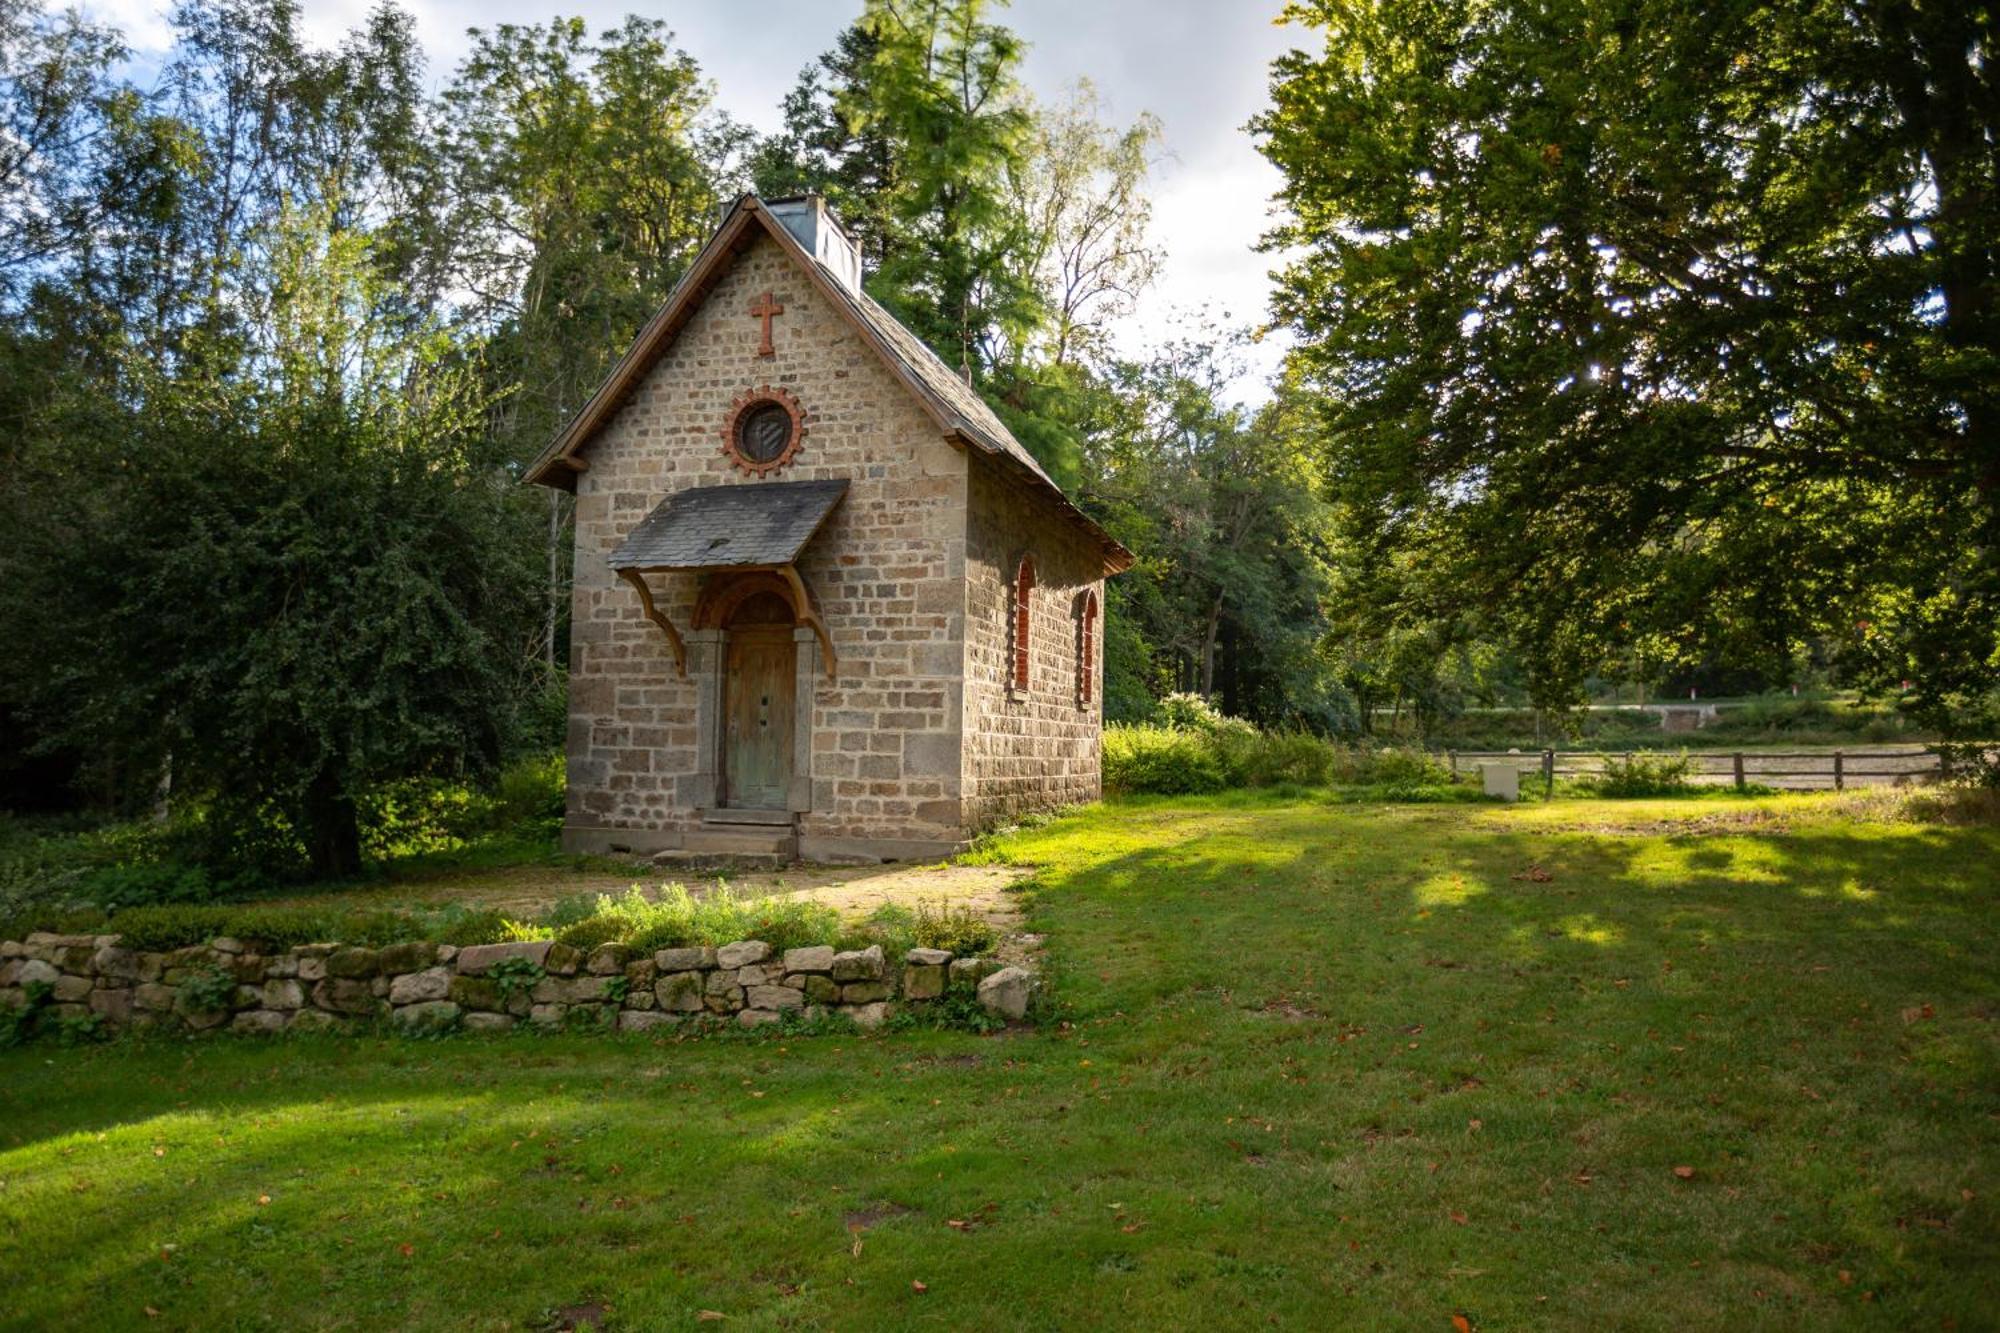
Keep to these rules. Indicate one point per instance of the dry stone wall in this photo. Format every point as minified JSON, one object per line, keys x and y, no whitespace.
{"x":227,"y":984}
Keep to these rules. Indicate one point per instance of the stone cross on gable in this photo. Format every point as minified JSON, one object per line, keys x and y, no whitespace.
{"x":766,"y":309}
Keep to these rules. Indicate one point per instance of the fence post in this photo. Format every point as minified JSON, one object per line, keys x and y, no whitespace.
{"x":1739,"y":770}
{"x":1548,"y":774}
{"x":1839,"y":770}
{"x":1453,"y":756}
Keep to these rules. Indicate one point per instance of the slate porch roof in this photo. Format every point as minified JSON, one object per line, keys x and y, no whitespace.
{"x":954,"y":405}
{"x":729,"y":527}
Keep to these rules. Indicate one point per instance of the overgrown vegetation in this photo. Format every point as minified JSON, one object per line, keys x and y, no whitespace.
{"x":1195,"y":750}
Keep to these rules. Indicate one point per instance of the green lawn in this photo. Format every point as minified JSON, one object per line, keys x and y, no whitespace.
{"x":1328,"y":1065}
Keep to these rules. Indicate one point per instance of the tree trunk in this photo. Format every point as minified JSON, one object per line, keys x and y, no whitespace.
{"x":1208,"y":647}
{"x":331,"y":829}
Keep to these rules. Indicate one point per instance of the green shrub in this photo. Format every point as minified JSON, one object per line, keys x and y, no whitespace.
{"x":1188,"y":712}
{"x":414,"y":816}
{"x":1160,"y":760}
{"x":1641,"y":774}
{"x":530,"y":792}
{"x":596,"y":930}
{"x":147,"y":883}
{"x":156,"y":929}
{"x":207,"y":991}
{"x":958,"y":929}
{"x":461,"y":926}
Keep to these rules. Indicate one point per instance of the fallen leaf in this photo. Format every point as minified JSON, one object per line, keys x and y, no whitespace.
{"x":918,"y":1287}
{"x":1684,"y":1172}
{"x":955,"y":1223}
{"x":1580,"y":1178}
{"x":407,"y":1250}
{"x":1460,"y":1218}
{"x":710,"y":1316}
{"x":1846,"y":1278}
{"x":151,"y":1313}
{"x":1460,"y":1323}
{"x":159,"y":1150}
{"x":263,"y":1200}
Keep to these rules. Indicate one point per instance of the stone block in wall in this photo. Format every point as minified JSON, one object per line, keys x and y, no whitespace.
{"x":1007,"y":991}
{"x":869,"y":1016}
{"x":679,"y":991}
{"x":263,"y":1021}
{"x":411,"y":956}
{"x":433,"y":983}
{"x":346,"y":995}
{"x":351,"y":964}
{"x":485,"y":1022}
{"x":122,"y":964}
{"x":641,"y":974}
{"x":281,"y":993}
{"x":476,"y":959}
{"x":774,"y":997}
{"x":684,"y":960}
{"x":113,"y":1006}
{"x":563,"y":960}
{"x":645,"y":1020}
{"x":923,"y":983}
{"x":818,"y":988}
{"x":864,"y":992}
{"x":428,"y":1016}
{"x":70,"y":990}
{"x":859,"y":964}
{"x":969,"y":972}
{"x":315,"y":1020}
{"x":607,"y":960}
{"x":928,"y":957}
{"x":751,"y":1018}
{"x":154,"y":996}
{"x":742,"y":954}
{"x":36,"y":972}
{"x":549,"y":1015}
{"x":817,"y":958}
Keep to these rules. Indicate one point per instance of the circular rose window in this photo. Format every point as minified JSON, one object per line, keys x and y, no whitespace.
{"x":765,"y":428}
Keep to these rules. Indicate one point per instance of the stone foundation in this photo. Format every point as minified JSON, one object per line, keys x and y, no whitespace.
{"x":226,"y":984}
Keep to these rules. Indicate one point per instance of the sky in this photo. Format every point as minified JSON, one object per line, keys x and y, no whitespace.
{"x":1200,"y":65}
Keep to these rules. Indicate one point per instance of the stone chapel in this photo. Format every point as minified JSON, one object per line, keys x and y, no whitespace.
{"x":825,"y":604}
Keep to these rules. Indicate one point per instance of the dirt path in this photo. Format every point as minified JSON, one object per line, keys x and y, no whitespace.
{"x":853,"y":891}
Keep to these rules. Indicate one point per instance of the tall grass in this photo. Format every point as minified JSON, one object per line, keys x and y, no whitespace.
{"x":1168,"y":761}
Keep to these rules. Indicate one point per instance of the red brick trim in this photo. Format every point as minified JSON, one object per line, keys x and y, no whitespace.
{"x":749,"y":401}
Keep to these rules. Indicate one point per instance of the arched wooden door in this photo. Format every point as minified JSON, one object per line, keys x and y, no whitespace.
{"x":758,"y":704}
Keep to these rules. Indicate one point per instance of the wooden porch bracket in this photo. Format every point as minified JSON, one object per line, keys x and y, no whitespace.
{"x":652,"y":613}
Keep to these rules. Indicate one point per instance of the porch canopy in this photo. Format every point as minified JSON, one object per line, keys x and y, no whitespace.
{"x":750,"y":526}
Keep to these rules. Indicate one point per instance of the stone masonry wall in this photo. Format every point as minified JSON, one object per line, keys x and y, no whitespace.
{"x":886,"y":573}
{"x":489,"y":987}
{"x":1038,"y":749}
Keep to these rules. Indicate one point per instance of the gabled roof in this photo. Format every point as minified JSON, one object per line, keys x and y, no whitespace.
{"x":954,"y":405}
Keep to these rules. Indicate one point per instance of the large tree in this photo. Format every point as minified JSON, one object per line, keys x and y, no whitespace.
{"x":1663,"y":326}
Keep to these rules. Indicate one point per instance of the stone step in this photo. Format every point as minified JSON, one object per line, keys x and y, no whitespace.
{"x":741,"y":840}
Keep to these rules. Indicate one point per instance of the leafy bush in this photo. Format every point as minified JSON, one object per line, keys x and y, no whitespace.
{"x":530,"y":792}
{"x":588,"y":934}
{"x":147,"y":883}
{"x":1160,"y":760}
{"x":1189,"y":712}
{"x":417,"y":815}
{"x":959,"y":929}
{"x":1227,"y":752}
{"x":461,"y":926}
{"x":1641,"y":774}
{"x":207,"y":991}
{"x":176,"y":927}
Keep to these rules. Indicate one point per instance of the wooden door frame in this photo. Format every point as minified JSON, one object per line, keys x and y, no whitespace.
{"x":708,"y":651}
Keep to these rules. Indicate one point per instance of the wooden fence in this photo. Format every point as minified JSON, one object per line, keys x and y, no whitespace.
{"x":1793,"y":770}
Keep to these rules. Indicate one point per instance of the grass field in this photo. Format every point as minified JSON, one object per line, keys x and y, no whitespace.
{"x":1586,"y":1065}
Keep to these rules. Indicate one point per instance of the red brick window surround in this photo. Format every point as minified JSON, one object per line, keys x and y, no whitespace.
{"x":1086,"y":646}
{"x":1023,"y":598}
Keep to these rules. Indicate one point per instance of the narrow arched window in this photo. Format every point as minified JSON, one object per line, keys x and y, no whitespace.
{"x":1086,"y":645}
{"x":1023,"y":598}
